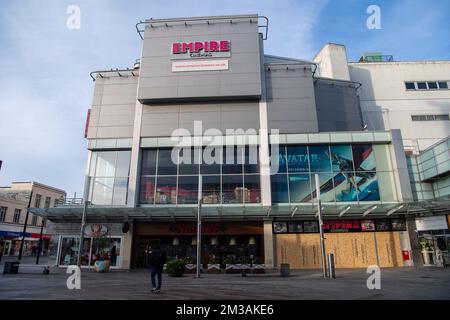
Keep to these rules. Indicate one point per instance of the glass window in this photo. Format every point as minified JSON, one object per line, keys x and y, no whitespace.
{"x":421,"y":85}
{"x":432,"y":85}
{"x":319,"y":158}
{"x":367,"y":186}
{"x":166,"y":190}
{"x":69,"y":251}
{"x":367,"y":225}
{"x":310,"y":226}
{"x":363,"y":157}
{"x":280,"y":159}
{"x":345,"y":187}
{"x":149,"y":162}
{"x":410,"y":86}
{"x":295,"y":227}
{"x":441,"y":117}
{"x":398,"y":225}
{"x":251,"y":163}
{"x":47,"y":202}
{"x":3,"y":211}
{"x":123,"y":163}
{"x":120,"y":191}
{"x":187,"y":189}
{"x":279,"y":187}
{"x":165,"y":164}
{"x":189,"y":160}
{"x":37,"y":201}
{"x":297,"y":159}
{"x":106,"y":163}
{"x":234,"y":159}
{"x":17,"y":213}
{"x":107,"y":249}
{"x":147,"y":190}
{"x":341,"y":158}
{"x":211,"y":189}
{"x":252,"y":189}
{"x":232,"y":189}
{"x":326,"y":187}
{"x":280,"y":227}
{"x":211,"y":160}
{"x":383,"y":225}
{"x":443,"y":85}
{"x":103,"y":191}
{"x":299,"y":188}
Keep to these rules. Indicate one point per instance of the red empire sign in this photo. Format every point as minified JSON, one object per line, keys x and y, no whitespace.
{"x":201,"y":49}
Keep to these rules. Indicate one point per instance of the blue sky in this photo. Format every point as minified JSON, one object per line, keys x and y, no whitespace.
{"x":45,"y":88}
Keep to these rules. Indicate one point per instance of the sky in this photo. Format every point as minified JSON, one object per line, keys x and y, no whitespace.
{"x":45,"y":88}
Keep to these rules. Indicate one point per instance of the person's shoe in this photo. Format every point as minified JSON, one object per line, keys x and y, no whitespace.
{"x":157,"y":291}
{"x":154,"y":290}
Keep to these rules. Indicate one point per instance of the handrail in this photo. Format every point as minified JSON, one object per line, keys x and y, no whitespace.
{"x":265,"y":26}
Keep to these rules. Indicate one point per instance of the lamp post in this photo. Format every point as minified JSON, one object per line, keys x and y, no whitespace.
{"x":319,"y":215}
{"x":41,"y":242}
{"x":199,"y":225}
{"x":25,"y":227}
{"x":83,"y":218}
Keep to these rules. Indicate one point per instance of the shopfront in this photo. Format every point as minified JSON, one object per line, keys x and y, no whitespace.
{"x":11,"y":241}
{"x":434,"y":240}
{"x":221,"y":241}
{"x":355,"y":243}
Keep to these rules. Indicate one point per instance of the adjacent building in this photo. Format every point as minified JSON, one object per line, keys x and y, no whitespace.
{"x":206,"y":107}
{"x":14,"y":203}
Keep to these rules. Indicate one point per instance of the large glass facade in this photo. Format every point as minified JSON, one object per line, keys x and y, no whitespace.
{"x":347,"y":172}
{"x":93,"y":249}
{"x":171,"y":176}
{"x":109,"y":171}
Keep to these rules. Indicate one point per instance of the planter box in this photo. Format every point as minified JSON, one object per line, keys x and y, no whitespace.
{"x":191,"y":268}
{"x":213,"y":268}
{"x":233,"y":268}
{"x":259,"y":268}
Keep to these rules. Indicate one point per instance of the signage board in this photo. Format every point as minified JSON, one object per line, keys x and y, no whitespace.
{"x":199,"y":65}
{"x":95,"y":230}
{"x":200,"y":50}
{"x":431,"y":223}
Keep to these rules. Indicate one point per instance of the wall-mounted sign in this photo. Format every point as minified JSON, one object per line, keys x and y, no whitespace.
{"x":205,"y":49}
{"x":200,"y":65}
{"x":95,"y":230}
{"x":431,"y":223}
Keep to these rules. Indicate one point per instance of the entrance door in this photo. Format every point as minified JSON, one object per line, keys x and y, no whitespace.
{"x":142,"y":250}
{"x":7,"y":247}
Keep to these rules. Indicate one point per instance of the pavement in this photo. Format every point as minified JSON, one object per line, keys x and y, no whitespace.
{"x":396,"y":283}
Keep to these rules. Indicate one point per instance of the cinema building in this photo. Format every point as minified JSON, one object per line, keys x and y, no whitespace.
{"x":209,"y":80}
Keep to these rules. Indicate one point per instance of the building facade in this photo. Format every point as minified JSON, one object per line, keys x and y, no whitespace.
{"x":204,"y":108}
{"x":14,"y":202}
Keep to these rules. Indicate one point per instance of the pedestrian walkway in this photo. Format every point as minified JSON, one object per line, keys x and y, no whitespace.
{"x":396,"y":283}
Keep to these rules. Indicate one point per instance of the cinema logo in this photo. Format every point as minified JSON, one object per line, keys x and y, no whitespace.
{"x":201,"y":49}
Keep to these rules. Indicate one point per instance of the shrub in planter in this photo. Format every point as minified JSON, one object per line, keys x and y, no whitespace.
{"x":176,"y":268}
{"x":213,"y":266}
{"x":232,"y":266}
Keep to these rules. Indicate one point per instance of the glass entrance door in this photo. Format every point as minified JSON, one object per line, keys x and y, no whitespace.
{"x":7,"y":247}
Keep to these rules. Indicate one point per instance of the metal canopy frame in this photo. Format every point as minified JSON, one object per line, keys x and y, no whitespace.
{"x":151,"y":23}
{"x":346,"y":210}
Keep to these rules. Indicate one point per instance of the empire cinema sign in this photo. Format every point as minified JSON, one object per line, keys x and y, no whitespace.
{"x":204,"y":49}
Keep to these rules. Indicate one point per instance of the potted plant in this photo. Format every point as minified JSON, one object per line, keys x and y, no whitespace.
{"x":259,"y":266}
{"x":427,"y":252}
{"x":231,"y":265}
{"x":176,"y":268}
{"x":191,"y":265}
{"x":213,"y":266}
{"x":245,"y":264}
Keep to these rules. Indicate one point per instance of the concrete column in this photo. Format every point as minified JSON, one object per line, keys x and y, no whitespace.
{"x":127,"y":248}
{"x":414,"y":241}
{"x":269,"y":244}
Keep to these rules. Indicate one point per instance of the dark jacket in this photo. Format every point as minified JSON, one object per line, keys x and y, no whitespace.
{"x":158,"y":259}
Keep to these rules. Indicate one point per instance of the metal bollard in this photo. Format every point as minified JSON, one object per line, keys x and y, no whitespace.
{"x":331,"y":272}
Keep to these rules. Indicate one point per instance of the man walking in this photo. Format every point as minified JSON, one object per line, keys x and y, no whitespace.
{"x":157,"y":260}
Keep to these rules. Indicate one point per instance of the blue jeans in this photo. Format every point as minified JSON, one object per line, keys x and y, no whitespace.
{"x":156,"y":272}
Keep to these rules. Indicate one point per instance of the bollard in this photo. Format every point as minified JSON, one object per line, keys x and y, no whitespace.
{"x":331,"y":272}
